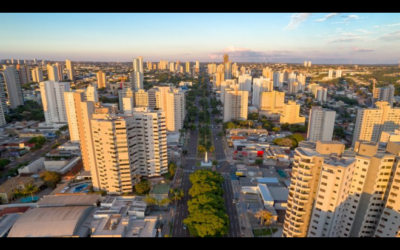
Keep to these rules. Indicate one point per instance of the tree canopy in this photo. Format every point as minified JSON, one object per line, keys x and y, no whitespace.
{"x":142,"y":187}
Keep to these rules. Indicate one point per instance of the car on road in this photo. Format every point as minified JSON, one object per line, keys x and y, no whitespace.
{"x":184,"y":227}
{"x":218,"y":166}
{"x":193,"y":167}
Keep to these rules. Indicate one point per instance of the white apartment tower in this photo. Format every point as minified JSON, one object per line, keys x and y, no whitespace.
{"x":304,"y":185}
{"x":321,"y":124}
{"x":330,"y":73}
{"x":151,"y":137}
{"x":321,"y":94}
{"x":37,"y":75}
{"x":370,"y":123}
{"x":53,"y":101}
{"x":91,"y":94}
{"x":137,"y":80}
{"x":261,"y":85}
{"x":235,"y":105}
{"x":338,"y":73}
{"x":176,"y":109}
{"x":13,"y":86}
{"x":385,"y":94}
{"x":245,"y":82}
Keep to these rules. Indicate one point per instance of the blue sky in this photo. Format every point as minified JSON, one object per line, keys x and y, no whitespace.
{"x":246,"y":37}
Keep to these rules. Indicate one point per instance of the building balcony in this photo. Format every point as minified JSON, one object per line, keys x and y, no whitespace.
{"x":306,"y":177}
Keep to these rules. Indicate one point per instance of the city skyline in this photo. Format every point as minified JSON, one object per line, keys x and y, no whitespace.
{"x":326,"y":38}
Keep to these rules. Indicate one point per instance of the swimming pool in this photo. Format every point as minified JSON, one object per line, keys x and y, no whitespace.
{"x":79,"y":188}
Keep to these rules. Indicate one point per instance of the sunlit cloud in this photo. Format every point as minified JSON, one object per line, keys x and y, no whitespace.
{"x":350,"y":17}
{"x":326,"y":17}
{"x":296,"y":19}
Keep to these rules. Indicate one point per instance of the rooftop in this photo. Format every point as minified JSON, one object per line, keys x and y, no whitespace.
{"x":49,"y":222}
{"x":69,"y":200}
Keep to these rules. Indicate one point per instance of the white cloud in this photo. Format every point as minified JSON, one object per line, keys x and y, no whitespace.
{"x":393,"y":24}
{"x":350,"y":17}
{"x":326,"y":17}
{"x":355,"y":49}
{"x":377,"y":26}
{"x":393,"y":36}
{"x":364,"y":31}
{"x":296,"y":19}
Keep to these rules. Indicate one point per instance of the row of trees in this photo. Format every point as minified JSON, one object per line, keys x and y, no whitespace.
{"x":31,"y":110}
{"x":207,"y":215}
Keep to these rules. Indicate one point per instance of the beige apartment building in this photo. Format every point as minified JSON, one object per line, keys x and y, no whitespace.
{"x":304,"y":185}
{"x":372,"y":122}
{"x":70,"y":70}
{"x":273,"y":101}
{"x":261,"y":85}
{"x":126,"y":92}
{"x":141,"y":98}
{"x":321,"y":124}
{"x":101,"y":79}
{"x":235,"y":105}
{"x":219,"y":76}
{"x":116,"y":166}
{"x":291,"y":114}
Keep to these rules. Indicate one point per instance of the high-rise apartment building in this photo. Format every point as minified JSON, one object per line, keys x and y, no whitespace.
{"x":70,"y":70}
{"x":219,"y":76}
{"x":226,"y":58}
{"x":273,"y":101}
{"x":321,"y":94}
{"x":385,"y":94}
{"x":151,"y":137}
{"x":197,"y":66}
{"x":228,"y":84}
{"x":235,"y":70}
{"x":137,"y":80}
{"x":138,"y":64}
{"x":278,"y":79}
{"x":330,"y":73}
{"x":24,"y":74}
{"x":73,"y":100}
{"x":268,"y":73}
{"x":313,"y":88}
{"x":52,"y":73}
{"x":305,"y":63}
{"x":261,"y":85}
{"x":91,"y":94}
{"x":187,"y":67}
{"x":60,"y":71}
{"x":172,"y":66}
{"x":228,"y":70}
{"x":37,"y":75}
{"x":370,"y":123}
{"x":338,"y":73}
{"x":245,"y":82}
{"x":126,"y":92}
{"x":53,"y":101}
{"x":3,"y":105}
{"x":235,"y":104}
{"x":304,"y":185}
{"x":309,"y":63}
{"x":212,"y":68}
{"x":141,"y":98}
{"x":176,"y":109}
{"x":291,"y":114}
{"x":13,"y":86}
{"x":101,"y":79}
{"x":321,"y":124}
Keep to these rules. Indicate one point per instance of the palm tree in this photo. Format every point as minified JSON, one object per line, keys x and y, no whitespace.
{"x":176,"y":194}
{"x":30,"y":189}
{"x":150,"y":200}
{"x":266,"y":217}
{"x":163,"y":202}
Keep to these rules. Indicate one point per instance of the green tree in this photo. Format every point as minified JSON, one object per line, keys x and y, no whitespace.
{"x":207,"y":222}
{"x":172,"y":168}
{"x":184,"y":152}
{"x":276,"y":129}
{"x":58,"y":133}
{"x":285,"y":126}
{"x":265,"y":217}
{"x":150,"y":200}
{"x":201,"y":148}
{"x":215,"y":162}
{"x":142,"y":187}
{"x":51,"y":178}
{"x":176,"y":194}
{"x":30,"y":189}
{"x":212,"y":148}
{"x":259,"y":161}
